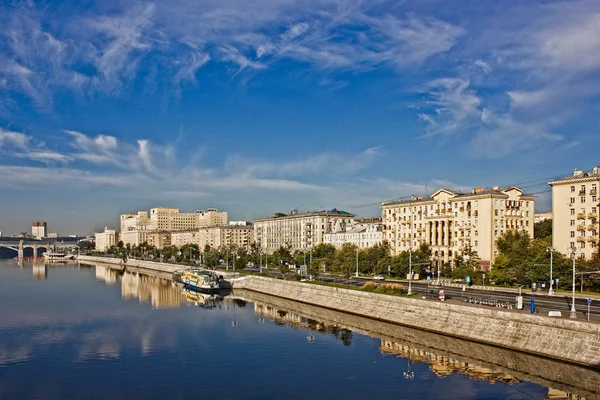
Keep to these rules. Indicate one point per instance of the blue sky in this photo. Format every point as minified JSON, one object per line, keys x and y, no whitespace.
{"x":256,"y":107}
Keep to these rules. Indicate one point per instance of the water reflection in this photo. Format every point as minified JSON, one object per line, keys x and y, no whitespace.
{"x":170,"y":332}
{"x":443,"y":355}
{"x":40,"y":271}
{"x":160,"y":292}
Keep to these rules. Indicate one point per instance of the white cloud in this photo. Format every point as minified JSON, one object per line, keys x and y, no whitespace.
{"x":454,"y":106}
{"x":179,"y":39}
{"x":485,"y":67}
{"x":295,"y":31}
{"x":13,"y":139}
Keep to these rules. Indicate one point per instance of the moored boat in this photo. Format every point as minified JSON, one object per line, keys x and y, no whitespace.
{"x":199,"y":279}
{"x":58,"y":257}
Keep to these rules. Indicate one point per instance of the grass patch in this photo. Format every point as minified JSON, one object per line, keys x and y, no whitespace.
{"x":392,"y":289}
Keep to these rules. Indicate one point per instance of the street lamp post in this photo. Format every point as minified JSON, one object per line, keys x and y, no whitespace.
{"x":410,"y":274}
{"x":573,"y":313}
{"x":357,"y":261}
{"x":550,"y":291}
{"x":409,"y":270}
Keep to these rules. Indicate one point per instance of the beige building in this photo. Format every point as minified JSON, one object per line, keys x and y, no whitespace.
{"x":360,"y":235}
{"x":450,"y":221}
{"x":575,"y":213}
{"x":171,"y":219}
{"x":181,"y":238}
{"x":159,"y":239}
{"x":299,"y":231}
{"x":240,"y":236}
{"x":106,"y":239}
{"x":133,"y":222}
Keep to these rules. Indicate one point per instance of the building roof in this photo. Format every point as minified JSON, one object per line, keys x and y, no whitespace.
{"x":456,"y":195}
{"x":296,"y":214}
{"x":578,"y":175}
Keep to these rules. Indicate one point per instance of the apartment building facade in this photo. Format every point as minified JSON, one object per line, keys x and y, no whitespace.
{"x":361,"y":235}
{"x":171,"y":219}
{"x":451,"y":221}
{"x":575,"y":207}
{"x":298,"y":231}
{"x":106,"y":239}
{"x":237,"y":236}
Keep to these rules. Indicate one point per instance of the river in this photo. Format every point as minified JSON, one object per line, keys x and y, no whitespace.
{"x":82,"y":331}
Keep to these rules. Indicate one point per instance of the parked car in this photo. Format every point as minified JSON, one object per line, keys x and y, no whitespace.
{"x":379,"y":277}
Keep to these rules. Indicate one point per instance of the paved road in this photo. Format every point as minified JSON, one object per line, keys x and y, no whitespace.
{"x":543,"y":303}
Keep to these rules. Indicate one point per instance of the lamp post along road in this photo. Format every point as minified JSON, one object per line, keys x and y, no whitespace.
{"x":573,"y":313}
{"x":356,"y":261}
{"x":410,"y":274}
{"x":550,"y":291}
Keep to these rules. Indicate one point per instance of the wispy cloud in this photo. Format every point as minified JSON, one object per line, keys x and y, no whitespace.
{"x":105,"y":52}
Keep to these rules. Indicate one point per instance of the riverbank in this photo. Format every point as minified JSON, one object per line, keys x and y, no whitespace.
{"x":567,"y":340}
{"x":563,"y":339}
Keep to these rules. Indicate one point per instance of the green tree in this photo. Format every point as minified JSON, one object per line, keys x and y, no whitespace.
{"x":543,"y":230}
{"x":323,"y":257}
{"x":345,"y":260}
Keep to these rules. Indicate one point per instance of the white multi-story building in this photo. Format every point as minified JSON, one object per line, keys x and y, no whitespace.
{"x":575,"y":207}
{"x":171,"y":219}
{"x":297,"y":231}
{"x":106,"y":239}
{"x":451,"y":221}
{"x":181,"y":238}
{"x":360,"y":235}
{"x":38,"y":229}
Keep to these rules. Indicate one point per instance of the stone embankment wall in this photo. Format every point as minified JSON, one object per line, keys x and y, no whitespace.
{"x":563,"y":339}
{"x":147,"y":265}
{"x":566,"y":377}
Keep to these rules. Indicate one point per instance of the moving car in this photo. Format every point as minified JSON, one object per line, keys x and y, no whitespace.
{"x":379,"y":278}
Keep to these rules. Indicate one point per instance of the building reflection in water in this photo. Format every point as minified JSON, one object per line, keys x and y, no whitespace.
{"x":40,"y":271}
{"x":106,"y":275}
{"x":281,"y":317}
{"x":160,"y":292}
{"x":439,"y":362}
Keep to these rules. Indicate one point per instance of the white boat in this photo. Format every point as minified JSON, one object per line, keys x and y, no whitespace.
{"x":58,"y":257}
{"x":200,"y":279}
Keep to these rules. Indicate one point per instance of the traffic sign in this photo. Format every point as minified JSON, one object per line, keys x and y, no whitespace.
{"x":589,"y":301}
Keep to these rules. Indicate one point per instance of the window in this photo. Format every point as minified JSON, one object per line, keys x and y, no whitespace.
{"x":572,"y":211}
{"x":594,"y":199}
{"x":583,"y":199}
{"x":572,"y":222}
{"x":496,"y":213}
{"x":476,"y":243}
{"x":583,"y":245}
{"x":572,"y":200}
{"x":572,"y":245}
{"x":572,"y":189}
{"x":476,"y":233}
{"x":573,"y":234}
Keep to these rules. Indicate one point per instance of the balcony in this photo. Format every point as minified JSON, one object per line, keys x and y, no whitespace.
{"x":582,"y":192}
{"x":581,"y":238}
{"x":592,"y":239}
{"x":592,"y":227}
{"x":592,"y":215}
{"x":581,"y":227}
{"x":581,"y":216}
{"x":594,"y":191}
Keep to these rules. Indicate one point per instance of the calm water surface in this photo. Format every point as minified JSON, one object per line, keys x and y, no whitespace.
{"x":88,"y":332}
